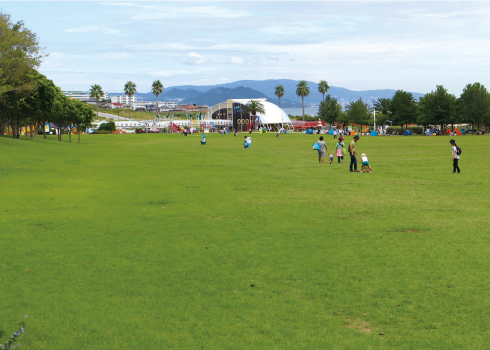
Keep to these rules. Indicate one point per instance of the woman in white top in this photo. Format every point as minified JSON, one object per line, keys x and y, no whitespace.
{"x":455,"y":156}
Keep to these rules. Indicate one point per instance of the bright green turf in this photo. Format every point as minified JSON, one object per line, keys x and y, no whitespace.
{"x":153,"y":242}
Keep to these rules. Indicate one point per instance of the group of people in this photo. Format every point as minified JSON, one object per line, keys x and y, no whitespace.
{"x":366,"y":167}
{"x":340,"y":153}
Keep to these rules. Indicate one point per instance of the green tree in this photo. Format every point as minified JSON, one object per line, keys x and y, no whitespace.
{"x":19,"y":54}
{"x":302,"y":90}
{"x":96,"y":92}
{"x":130,"y":90}
{"x":157,"y":89}
{"x":359,"y":112}
{"x":403,"y":108}
{"x":253,"y":107}
{"x":437,"y":108}
{"x":474,"y":104}
{"x":279,"y":92}
{"x":60,"y":112}
{"x":382,"y":105}
{"x":323,"y":88}
{"x":330,"y":110}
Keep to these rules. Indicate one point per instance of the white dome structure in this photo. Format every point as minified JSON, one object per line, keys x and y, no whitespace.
{"x":232,"y":110}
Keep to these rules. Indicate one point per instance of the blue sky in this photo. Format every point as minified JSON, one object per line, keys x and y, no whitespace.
{"x":365,"y":45}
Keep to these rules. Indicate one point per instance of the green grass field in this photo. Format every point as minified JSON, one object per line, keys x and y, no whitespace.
{"x":155,"y":242}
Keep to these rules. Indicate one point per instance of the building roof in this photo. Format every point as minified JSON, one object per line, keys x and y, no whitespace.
{"x":117,"y":104}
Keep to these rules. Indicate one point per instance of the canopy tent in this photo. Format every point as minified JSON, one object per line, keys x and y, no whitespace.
{"x":407,"y":133}
{"x":374,"y":133}
{"x":331,"y":132}
{"x":459,"y":132}
{"x":352,"y":133}
{"x":448,"y":132}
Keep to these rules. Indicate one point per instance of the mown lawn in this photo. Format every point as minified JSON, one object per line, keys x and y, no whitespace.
{"x":155,"y":242}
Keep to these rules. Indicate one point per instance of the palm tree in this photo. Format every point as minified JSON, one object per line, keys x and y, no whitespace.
{"x":279,"y":93}
{"x":96,"y":92}
{"x":302,"y":90}
{"x":323,"y":88}
{"x":157,"y":89}
{"x":253,"y":107}
{"x":130,"y":90}
{"x":383,"y":105}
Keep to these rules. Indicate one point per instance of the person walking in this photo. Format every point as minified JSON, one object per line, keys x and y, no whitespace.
{"x":321,"y":151}
{"x":353,"y":155}
{"x":339,"y":152}
{"x":455,"y":152}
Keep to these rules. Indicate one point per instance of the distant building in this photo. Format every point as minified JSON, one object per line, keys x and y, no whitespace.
{"x":124,"y":99}
{"x":83,"y":96}
{"x":167,"y":104}
{"x":117,"y":105}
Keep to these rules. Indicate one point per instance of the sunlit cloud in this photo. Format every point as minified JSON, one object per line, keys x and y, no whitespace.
{"x":193,"y":58}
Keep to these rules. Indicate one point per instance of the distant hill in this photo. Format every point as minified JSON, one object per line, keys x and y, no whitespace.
{"x":221,"y":94}
{"x":264,"y":89}
{"x":178,"y":93}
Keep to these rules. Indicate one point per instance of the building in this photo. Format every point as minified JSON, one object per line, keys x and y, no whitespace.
{"x":117,"y":105}
{"x":233,"y":110}
{"x":124,"y":99}
{"x":83,"y":96}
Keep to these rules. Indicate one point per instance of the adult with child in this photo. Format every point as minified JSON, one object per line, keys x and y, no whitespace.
{"x":353,"y":155}
{"x":340,"y":150}
{"x":321,"y":151}
{"x":455,"y":151}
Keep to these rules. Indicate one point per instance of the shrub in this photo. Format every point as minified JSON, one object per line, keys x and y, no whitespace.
{"x":109,"y":126}
{"x":103,"y":132}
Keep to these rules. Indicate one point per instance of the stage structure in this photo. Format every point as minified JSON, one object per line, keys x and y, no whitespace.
{"x":232,"y":111}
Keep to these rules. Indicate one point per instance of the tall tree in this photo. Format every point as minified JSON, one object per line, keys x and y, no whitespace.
{"x":403,"y":108}
{"x":279,"y":92}
{"x":302,"y":90}
{"x":323,"y":88}
{"x":253,"y":107}
{"x":157,"y":89}
{"x":130,"y":90}
{"x":359,"y":112}
{"x":19,"y":54}
{"x":437,"y":108}
{"x":474,"y":104}
{"x":96,"y":92}
{"x":330,"y":110}
{"x":382,"y":105}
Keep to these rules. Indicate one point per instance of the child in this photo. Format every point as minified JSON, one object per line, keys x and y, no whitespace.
{"x":455,"y":156}
{"x":340,"y":150}
{"x":330,"y":158}
{"x":365,"y":164}
{"x":245,"y":143}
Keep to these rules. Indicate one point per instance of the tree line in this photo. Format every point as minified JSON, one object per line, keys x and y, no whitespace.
{"x":28,"y":98}
{"x":435,"y":108}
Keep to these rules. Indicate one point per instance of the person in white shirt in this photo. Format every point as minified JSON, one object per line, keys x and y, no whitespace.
{"x":366,"y":168}
{"x":249,"y":141}
{"x":455,"y":156}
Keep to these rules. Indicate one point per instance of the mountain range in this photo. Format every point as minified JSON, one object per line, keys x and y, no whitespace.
{"x":248,"y":89}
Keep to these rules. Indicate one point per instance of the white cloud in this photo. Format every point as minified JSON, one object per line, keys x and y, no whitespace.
{"x":236,"y":60}
{"x":87,"y":29}
{"x":193,"y":58}
{"x":182,"y":10}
